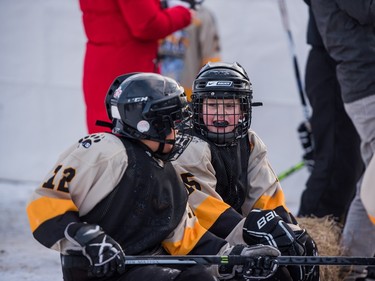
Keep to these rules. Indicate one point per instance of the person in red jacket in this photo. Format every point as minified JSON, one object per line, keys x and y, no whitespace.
{"x":122,"y":37}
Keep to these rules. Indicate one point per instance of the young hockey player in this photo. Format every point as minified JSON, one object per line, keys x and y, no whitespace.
{"x":227,"y":162}
{"x":116,"y":194}
{"x":183,"y":53}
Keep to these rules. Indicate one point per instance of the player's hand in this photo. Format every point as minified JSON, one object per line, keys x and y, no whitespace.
{"x":104,"y":254}
{"x":261,"y":262}
{"x":267,"y":228}
{"x":307,"y":272}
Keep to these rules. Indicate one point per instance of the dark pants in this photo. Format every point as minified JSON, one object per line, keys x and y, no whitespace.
{"x":77,"y":270}
{"x":338,"y":164}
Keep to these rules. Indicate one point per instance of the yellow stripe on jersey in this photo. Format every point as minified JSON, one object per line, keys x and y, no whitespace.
{"x":188,"y":93}
{"x":190,"y":238}
{"x":271,"y":202}
{"x":372,"y":219}
{"x":210,"y":210}
{"x":44,"y":208}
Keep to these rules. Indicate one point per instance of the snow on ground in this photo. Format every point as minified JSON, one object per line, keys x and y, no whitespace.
{"x":21,"y":257}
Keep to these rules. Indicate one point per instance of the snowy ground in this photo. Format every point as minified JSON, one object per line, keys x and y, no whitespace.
{"x":42,"y":110}
{"x":21,"y":257}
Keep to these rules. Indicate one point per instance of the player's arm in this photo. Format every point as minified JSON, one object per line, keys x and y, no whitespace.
{"x":72,"y":188}
{"x":51,"y":207}
{"x":264,"y":189}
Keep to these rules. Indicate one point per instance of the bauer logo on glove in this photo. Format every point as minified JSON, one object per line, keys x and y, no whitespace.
{"x":266,"y":218}
{"x":267,"y":228}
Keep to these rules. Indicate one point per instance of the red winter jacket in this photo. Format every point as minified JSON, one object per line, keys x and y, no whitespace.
{"x":122,"y":37}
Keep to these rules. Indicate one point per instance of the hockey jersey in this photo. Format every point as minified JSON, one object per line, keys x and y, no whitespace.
{"x":248,"y":175}
{"x":117,"y":184}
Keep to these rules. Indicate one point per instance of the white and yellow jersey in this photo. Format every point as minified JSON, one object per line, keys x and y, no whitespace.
{"x":116,"y":183}
{"x":260,"y":186}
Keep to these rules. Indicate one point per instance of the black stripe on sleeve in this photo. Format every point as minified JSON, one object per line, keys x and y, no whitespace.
{"x":209,"y":244}
{"x":52,"y":230}
{"x":225,"y":223}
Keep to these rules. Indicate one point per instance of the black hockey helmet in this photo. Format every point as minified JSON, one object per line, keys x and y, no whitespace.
{"x":148,"y":106}
{"x":221,"y":81}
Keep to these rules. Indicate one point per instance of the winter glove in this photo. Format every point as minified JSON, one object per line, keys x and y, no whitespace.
{"x":104,"y":254}
{"x":261,"y":263}
{"x":307,"y":141}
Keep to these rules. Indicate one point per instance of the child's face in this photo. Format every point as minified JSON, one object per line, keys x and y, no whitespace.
{"x":221,"y":115}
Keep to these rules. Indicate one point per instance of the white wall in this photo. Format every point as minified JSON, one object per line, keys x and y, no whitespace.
{"x":41,"y":55}
{"x":41,"y":107}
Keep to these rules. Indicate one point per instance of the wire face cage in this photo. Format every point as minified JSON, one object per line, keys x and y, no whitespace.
{"x":222,"y":117}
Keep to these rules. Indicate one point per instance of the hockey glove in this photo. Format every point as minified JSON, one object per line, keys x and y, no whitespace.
{"x":261,"y":262}
{"x":308,"y":272}
{"x":307,"y":141}
{"x":267,"y":228}
{"x":104,"y":254}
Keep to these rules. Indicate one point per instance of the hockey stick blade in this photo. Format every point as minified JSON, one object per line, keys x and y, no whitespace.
{"x":236,"y":259}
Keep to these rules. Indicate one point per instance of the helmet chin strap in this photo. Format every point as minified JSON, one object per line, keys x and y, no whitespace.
{"x":160,"y":148}
{"x":162,"y":145}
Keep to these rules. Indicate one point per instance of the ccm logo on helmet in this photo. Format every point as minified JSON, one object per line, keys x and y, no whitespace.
{"x":138,"y":99}
{"x":219,"y":83}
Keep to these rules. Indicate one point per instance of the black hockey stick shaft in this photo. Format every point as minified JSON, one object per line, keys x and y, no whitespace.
{"x":236,"y":259}
{"x":286,"y":25}
{"x":325,"y":260}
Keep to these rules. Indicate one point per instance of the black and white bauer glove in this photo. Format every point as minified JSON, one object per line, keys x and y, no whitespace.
{"x":268,"y":228}
{"x":104,"y":254}
{"x":261,"y":265}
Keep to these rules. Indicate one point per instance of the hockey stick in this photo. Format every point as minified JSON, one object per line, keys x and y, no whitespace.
{"x":293,"y":53}
{"x":291,"y":170}
{"x":292,"y":48}
{"x":236,"y":259}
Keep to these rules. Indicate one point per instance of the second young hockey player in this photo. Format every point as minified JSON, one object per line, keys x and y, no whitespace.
{"x":227,"y":162}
